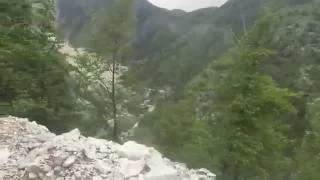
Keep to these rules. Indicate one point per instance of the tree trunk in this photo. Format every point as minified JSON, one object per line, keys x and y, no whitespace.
{"x":236,"y":173}
{"x":113,"y":97}
{"x":244,"y":22}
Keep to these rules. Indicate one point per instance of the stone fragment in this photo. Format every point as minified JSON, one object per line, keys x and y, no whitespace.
{"x":57,"y":169}
{"x":34,"y":168}
{"x":69,"y":161}
{"x":46,"y":168}
{"x":32,"y":175}
{"x":41,"y":175}
{"x":161,"y":173}
{"x":131,"y":168}
{"x":100,"y":166}
{"x":97,"y":178}
{"x":133,"y":151}
{"x":4,"y":155}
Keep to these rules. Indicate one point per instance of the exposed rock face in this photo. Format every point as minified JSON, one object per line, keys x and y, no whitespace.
{"x":31,"y":151}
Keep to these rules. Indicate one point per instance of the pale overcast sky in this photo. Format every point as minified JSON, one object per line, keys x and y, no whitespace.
{"x":187,"y":5}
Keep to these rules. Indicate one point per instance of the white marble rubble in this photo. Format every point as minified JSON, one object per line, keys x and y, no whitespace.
{"x":30,"y":151}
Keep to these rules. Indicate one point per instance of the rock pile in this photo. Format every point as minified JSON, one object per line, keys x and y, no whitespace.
{"x":30,"y":151}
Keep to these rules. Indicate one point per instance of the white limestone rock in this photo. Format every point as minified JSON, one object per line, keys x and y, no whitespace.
{"x":30,"y":151}
{"x":131,"y":168}
{"x":102,"y":167}
{"x":69,"y":161}
{"x":97,"y":178}
{"x":133,"y":151}
{"x":162,"y":173}
{"x":32,"y":175}
{"x":4,"y":155}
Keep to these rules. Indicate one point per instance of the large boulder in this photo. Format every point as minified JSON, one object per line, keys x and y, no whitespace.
{"x":31,"y":151}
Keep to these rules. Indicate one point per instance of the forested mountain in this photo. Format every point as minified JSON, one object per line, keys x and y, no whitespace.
{"x":234,"y":88}
{"x":227,"y":108}
{"x":163,"y":36}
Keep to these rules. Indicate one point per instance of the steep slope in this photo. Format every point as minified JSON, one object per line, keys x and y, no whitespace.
{"x":30,"y":151}
{"x":295,"y":41}
{"x":293,"y":38}
{"x":175,"y":44}
{"x":182,"y":44}
{"x":73,"y":16}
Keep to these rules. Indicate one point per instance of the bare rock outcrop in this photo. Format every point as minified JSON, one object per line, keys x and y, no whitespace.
{"x":30,"y":151}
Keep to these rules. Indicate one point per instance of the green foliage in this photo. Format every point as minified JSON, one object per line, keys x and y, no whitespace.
{"x":32,"y":72}
{"x":93,"y":87}
{"x":180,"y":46}
{"x":239,"y":117}
{"x":230,"y":118}
{"x":178,"y":134}
{"x":246,"y":98}
{"x":250,"y":109}
{"x":308,"y":156}
{"x":113,"y":30}
{"x":98,"y":73}
{"x":175,"y":58}
{"x":295,"y":65}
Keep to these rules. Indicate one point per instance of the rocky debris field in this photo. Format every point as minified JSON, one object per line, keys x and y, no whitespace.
{"x":30,"y":151}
